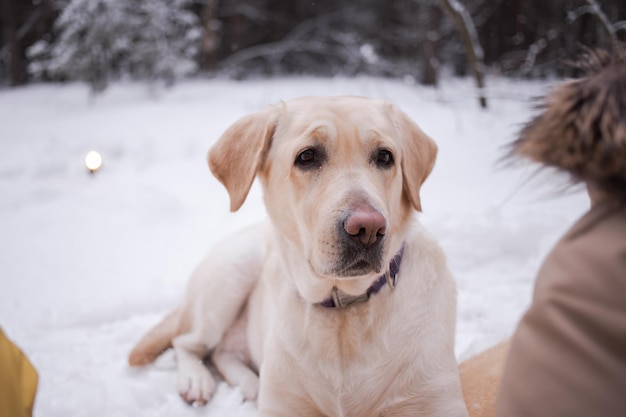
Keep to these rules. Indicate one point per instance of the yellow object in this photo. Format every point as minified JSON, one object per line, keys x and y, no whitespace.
{"x":18,"y":381}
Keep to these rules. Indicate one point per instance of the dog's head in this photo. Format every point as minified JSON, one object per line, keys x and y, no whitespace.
{"x":341,"y":178}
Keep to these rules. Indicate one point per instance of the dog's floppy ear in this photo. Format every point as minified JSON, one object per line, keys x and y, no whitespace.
{"x":418,"y":159}
{"x":238,"y":154}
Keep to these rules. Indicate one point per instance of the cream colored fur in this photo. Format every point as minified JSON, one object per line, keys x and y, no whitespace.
{"x":253,"y":302}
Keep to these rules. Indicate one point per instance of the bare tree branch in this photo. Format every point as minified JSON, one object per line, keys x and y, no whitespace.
{"x":594,"y":9}
{"x":621,"y":25}
{"x":531,"y":57}
{"x":535,"y":49}
{"x":474,"y":52}
{"x":30,"y":22}
{"x":606,"y":24}
{"x":573,"y":15}
{"x":292,"y":42}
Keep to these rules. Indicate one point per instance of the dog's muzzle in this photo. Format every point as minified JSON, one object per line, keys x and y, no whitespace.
{"x":361,"y":235}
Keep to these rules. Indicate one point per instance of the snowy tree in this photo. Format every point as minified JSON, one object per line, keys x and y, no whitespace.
{"x":166,"y":40}
{"x":104,"y":40}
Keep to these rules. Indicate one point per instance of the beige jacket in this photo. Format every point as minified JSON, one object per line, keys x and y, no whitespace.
{"x":568,"y":355}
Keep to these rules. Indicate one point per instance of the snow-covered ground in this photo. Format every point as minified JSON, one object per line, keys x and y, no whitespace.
{"x":89,"y":263}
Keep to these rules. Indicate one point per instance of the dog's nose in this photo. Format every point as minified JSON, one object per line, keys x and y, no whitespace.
{"x":366,"y":225}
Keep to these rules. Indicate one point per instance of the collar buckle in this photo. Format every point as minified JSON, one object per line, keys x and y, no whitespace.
{"x":342,"y":299}
{"x":392,"y":279}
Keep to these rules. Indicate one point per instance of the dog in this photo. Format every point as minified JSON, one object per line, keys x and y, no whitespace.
{"x":341,"y":304}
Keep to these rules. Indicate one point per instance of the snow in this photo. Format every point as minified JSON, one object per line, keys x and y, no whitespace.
{"x":89,"y":262}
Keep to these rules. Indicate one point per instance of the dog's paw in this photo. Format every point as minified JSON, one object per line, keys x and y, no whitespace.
{"x":196,"y":385}
{"x":249,"y":387}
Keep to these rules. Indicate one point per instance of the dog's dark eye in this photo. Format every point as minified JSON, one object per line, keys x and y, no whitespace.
{"x":307,"y":158}
{"x":384,"y":158}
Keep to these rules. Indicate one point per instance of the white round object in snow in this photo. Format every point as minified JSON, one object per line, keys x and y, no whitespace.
{"x":93,"y":161}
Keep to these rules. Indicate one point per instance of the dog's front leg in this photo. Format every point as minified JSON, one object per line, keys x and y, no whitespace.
{"x":194,"y":381}
{"x":217,"y":291}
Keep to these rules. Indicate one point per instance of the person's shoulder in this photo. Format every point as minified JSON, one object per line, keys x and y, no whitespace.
{"x":591,"y":257}
{"x":601,"y":231}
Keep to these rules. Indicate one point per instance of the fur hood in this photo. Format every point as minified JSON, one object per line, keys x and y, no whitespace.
{"x":582,"y":125}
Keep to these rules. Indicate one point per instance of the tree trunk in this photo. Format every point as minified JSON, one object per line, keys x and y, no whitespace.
{"x":474,"y":52}
{"x":9,"y":29}
{"x":431,"y":47}
{"x":210,"y":36}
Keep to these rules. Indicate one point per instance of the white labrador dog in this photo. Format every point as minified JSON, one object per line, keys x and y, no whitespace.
{"x":342,"y":304}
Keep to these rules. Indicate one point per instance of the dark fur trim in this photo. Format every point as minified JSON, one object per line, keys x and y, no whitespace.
{"x":582,"y":126}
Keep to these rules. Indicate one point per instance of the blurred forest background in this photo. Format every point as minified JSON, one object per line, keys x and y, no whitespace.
{"x":99,"y":41}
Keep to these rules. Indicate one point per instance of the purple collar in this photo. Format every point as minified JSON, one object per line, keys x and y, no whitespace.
{"x":339,"y":299}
